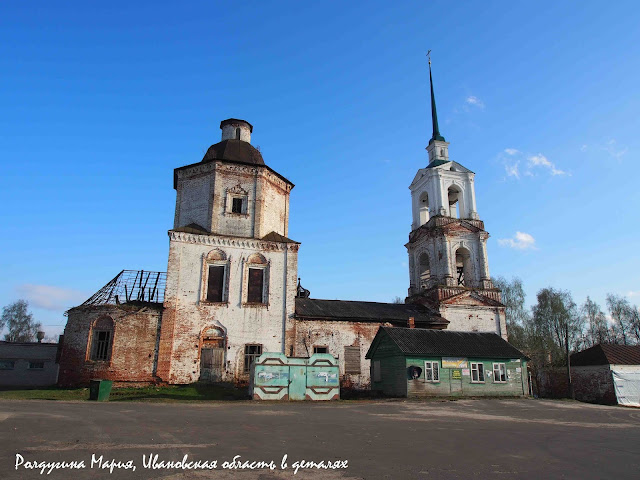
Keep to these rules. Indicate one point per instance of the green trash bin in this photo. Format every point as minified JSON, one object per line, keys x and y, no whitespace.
{"x":99,"y":390}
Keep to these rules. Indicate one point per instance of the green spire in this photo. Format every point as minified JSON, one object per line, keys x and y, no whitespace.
{"x":434,"y":114}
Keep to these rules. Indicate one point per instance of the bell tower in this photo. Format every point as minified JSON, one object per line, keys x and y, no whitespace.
{"x":448,"y":264}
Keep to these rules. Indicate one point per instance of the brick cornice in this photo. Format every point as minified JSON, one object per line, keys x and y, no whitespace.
{"x":218,"y":240}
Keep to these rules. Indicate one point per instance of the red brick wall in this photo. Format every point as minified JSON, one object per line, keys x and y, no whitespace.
{"x":133,"y":345}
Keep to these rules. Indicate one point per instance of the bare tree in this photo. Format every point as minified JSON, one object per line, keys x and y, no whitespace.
{"x":517,"y":316}
{"x":622,"y":315}
{"x":19,"y":322}
{"x":558,"y":326}
{"x":596,"y":322}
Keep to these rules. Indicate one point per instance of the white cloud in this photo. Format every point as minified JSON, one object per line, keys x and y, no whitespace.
{"x":633,"y":294}
{"x":520,"y":241}
{"x":512,"y":169}
{"x":475,"y":101}
{"x":540,"y":160}
{"x":614,"y":151}
{"x":511,"y":151}
{"x":51,"y":298}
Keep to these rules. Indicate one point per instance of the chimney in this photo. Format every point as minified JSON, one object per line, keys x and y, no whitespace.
{"x":412,"y":322}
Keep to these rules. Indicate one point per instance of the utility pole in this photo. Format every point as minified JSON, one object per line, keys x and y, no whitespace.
{"x":566,"y":342}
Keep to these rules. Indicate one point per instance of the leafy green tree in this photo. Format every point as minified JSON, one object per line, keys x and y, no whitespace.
{"x":19,"y":322}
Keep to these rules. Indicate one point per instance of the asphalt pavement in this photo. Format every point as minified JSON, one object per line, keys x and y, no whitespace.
{"x":395,"y":439}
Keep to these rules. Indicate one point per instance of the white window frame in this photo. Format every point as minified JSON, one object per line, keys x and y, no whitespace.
{"x":502,"y":370}
{"x":474,"y":368}
{"x":434,"y":369}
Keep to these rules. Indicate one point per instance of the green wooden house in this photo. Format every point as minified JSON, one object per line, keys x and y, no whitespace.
{"x":417,"y":362}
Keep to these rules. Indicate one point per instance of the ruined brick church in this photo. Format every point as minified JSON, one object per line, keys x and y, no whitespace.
{"x":231,"y":289}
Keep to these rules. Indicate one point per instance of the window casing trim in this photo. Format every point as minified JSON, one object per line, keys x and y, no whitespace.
{"x":204,"y":287}
{"x":265,"y":267}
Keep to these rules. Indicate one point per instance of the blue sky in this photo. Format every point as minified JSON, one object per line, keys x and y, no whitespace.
{"x":99,"y":102}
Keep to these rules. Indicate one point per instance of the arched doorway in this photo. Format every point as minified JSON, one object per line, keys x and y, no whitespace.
{"x":212,"y":346}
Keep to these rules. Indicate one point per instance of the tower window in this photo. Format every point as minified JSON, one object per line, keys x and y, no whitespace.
{"x":236,"y":205}
{"x":237,"y":134}
{"x":102,"y":339}
{"x":256,"y":285}
{"x":463,"y":267}
{"x":215,"y":283}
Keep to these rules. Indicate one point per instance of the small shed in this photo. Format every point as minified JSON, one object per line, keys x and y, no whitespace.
{"x":28,"y":364}
{"x":416,"y":362}
{"x":607,"y":374}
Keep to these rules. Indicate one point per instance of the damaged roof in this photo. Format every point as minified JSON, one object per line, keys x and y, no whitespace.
{"x":607,"y":355}
{"x":421,"y":341}
{"x":312,"y":308}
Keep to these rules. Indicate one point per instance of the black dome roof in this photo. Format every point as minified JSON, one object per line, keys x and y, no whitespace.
{"x":234,"y":151}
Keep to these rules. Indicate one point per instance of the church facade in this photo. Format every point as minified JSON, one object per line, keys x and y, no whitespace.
{"x":231,"y":291}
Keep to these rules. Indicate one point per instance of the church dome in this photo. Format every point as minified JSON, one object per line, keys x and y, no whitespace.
{"x":234,"y":151}
{"x":235,"y":145}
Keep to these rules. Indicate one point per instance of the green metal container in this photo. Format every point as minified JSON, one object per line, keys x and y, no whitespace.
{"x":99,"y":390}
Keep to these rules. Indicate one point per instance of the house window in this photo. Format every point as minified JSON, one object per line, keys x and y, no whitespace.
{"x":477,"y":373}
{"x":7,"y":364}
{"x":352,"y":360}
{"x":215,"y":283}
{"x":317,"y":349}
{"x":237,"y":205}
{"x":499,"y":373}
{"x":251,"y":352}
{"x":431,"y":372}
{"x":377,"y":371}
{"x":35,"y":365}
{"x":102,"y":339}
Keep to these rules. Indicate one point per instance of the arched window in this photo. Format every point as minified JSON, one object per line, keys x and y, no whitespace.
{"x":424,"y":208}
{"x":425,"y":271}
{"x":102,"y":339}
{"x":463,"y":267}
{"x":257,"y":280}
{"x":454,"y":195}
{"x":237,"y":134}
{"x":216,"y":268}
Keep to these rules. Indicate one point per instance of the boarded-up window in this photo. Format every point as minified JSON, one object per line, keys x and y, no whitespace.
{"x":256,"y":285}
{"x":251,"y":352}
{"x":215,"y":283}
{"x":377,"y":372}
{"x":352,"y":360}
